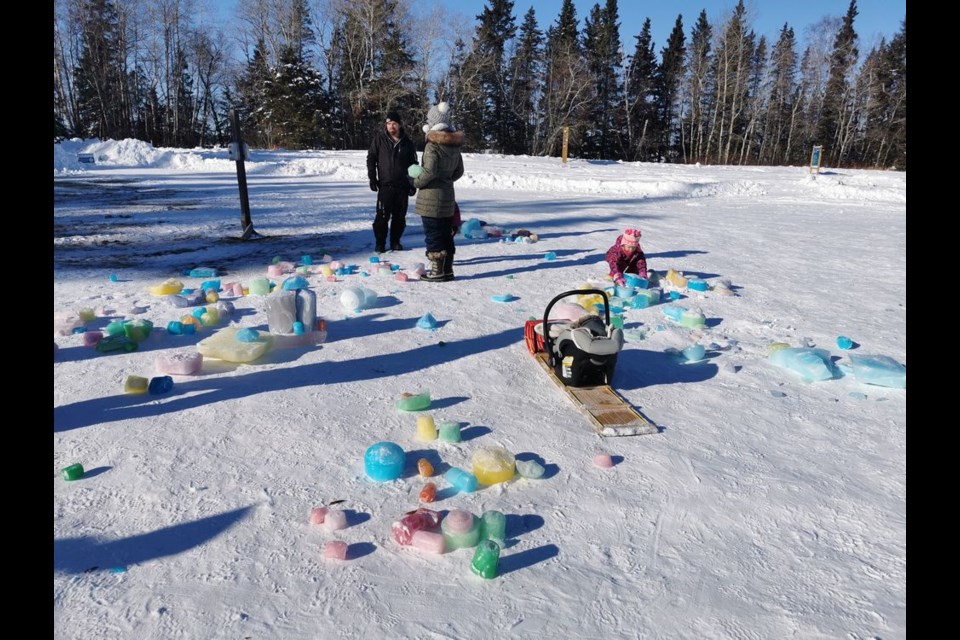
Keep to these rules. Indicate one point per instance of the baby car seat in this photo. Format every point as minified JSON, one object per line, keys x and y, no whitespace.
{"x":584,"y":352}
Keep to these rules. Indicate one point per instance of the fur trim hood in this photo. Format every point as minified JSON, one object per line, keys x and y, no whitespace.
{"x":448,"y":138}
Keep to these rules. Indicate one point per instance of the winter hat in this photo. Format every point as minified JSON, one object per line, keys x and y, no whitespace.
{"x":631,"y":238}
{"x":438,"y":118}
{"x":393,"y":115}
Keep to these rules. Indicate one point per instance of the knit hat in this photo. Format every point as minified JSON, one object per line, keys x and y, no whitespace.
{"x":438,"y":118}
{"x":393,"y":115}
{"x":631,"y":238}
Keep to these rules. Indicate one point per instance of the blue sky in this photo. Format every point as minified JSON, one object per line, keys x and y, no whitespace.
{"x":876,"y":18}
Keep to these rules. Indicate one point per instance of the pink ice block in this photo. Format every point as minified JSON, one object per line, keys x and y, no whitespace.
{"x":459,"y":521}
{"x":403,"y":529}
{"x":91,"y":338}
{"x":401,"y":277}
{"x":331,"y":278}
{"x":179,"y":364}
{"x":603,"y":460}
{"x":335,"y":549}
{"x":274,"y":270}
{"x":428,"y":541}
{"x":318,"y":514}
{"x":335,"y":520}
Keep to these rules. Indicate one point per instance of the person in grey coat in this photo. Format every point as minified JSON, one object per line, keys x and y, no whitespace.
{"x":442,"y":165}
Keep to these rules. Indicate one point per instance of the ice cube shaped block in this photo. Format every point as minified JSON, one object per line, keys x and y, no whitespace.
{"x":461,"y":480}
{"x":179,"y":364}
{"x":335,"y":550}
{"x":809,"y":364}
{"x":223,"y":345}
{"x":383,"y":461}
{"x":530,"y":469}
{"x":882,"y":371}
{"x":493,"y":464}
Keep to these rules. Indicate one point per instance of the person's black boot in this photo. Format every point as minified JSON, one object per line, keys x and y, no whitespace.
{"x":447,"y":268}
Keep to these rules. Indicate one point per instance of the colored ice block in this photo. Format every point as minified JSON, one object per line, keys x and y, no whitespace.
{"x":461,"y":480}
{"x":426,"y":429}
{"x":493,"y":526}
{"x":428,"y":541}
{"x":383,"y":461}
{"x":882,"y":371}
{"x":530,"y":468}
{"x":184,"y":363}
{"x":486,"y":559}
{"x":318,"y":514}
{"x":460,"y":529}
{"x":135,"y":385}
{"x":493,"y":464}
{"x":335,"y":550}
{"x":449,"y":431}
{"x":224,"y":345}
{"x":335,"y":520}
{"x":72,"y":472}
{"x":167,"y":287}
{"x":414,"y":402}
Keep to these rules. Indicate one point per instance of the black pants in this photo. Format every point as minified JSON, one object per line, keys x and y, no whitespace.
{"x":391,"y":211}
{"x":438,"y":234}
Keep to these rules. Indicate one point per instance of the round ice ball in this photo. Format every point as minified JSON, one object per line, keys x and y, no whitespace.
{"x":384,"y":461}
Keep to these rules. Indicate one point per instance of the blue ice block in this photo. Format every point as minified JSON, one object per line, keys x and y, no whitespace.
{"x":674,"y":312}
{"x":160,"y":385}
{"x":882,"y":371}
{"x":809,"y":364}
{"x":202,"y":272}
{"x":461,"y":480}
{"x":384,"y":461}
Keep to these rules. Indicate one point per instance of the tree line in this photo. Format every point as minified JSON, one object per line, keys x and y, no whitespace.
{"x":321,"y":73}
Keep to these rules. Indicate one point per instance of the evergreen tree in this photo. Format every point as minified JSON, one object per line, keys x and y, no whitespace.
{"x":295,"y":105}
{"x":836,"y":115}
{"x":698,"y":96}
{"x":484,"y":106}
{"x":781,"y":114}
{"x":98,"y":73}
{"x":526,"y":69}
{"x":641,"y":76}
{"x":667,"y":81}
{"x":251,"y":96}
{"x":603,"y":54}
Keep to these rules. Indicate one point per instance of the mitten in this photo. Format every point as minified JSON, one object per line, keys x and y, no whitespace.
{"x":374,"y":185}
{"x":412,"y":191}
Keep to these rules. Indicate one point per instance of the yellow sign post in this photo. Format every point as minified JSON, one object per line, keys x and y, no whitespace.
{"x":566,"y":142}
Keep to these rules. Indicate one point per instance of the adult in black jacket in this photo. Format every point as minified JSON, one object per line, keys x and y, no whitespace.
{"x":391,"y":152}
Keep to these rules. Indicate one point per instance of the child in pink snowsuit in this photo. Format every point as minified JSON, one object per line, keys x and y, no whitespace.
{"x":626,"y":256}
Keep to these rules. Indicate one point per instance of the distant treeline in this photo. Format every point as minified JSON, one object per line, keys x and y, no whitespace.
{"x":321,"y":74}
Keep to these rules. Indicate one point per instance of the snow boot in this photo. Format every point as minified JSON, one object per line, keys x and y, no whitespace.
{"x":448,"y":267}
{"x":436,"y":266}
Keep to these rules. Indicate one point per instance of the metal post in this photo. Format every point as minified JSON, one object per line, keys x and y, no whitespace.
{"x":245,"y":222}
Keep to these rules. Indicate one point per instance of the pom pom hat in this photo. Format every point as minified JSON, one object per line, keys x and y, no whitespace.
{"x":394,"y":116}
{"x":631,"y":238}
{"x":438,"y":118}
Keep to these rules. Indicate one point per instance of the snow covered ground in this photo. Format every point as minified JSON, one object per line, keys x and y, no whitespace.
{"x":765,"y":507}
